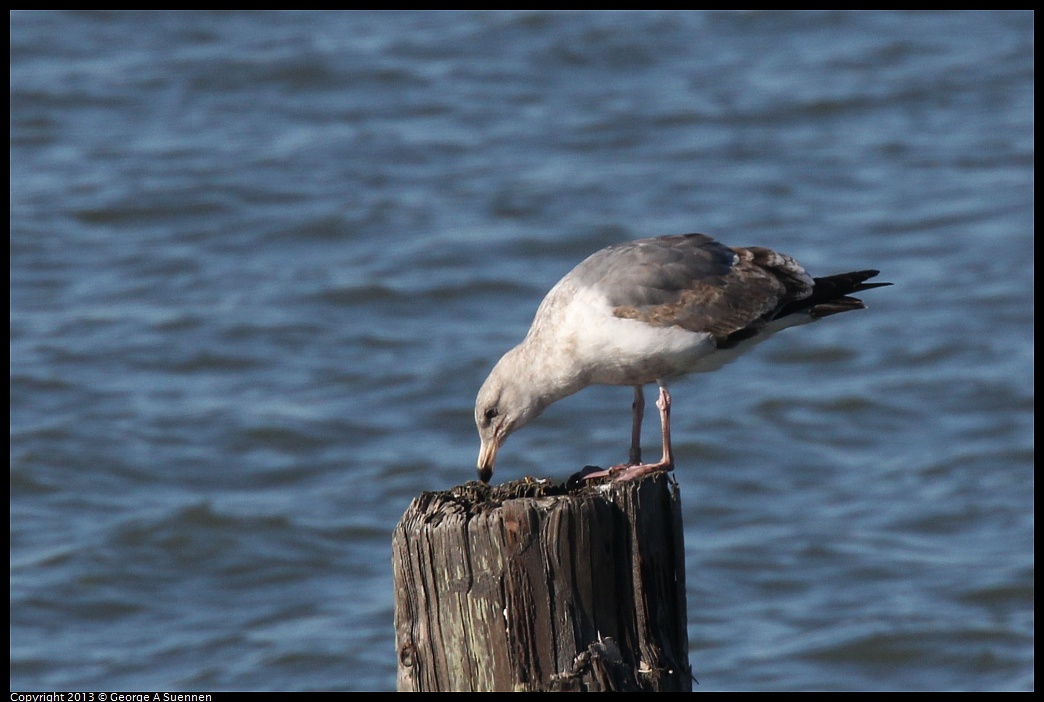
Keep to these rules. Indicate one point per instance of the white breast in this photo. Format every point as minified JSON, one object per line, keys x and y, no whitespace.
{"x":617,"y":351}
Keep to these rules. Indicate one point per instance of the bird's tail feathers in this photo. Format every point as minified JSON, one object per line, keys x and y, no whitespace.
{"x":831,"y":294}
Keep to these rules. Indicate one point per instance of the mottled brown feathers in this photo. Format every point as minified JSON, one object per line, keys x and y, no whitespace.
{"x":735,"y":301}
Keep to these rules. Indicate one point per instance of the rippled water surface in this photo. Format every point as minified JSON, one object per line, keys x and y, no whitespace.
{"x":261,"y":263}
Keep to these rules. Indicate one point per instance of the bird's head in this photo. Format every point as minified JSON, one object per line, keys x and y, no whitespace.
{"x":505,"y":403}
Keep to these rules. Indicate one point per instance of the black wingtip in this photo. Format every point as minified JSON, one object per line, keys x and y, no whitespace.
{"x":830,"y":294}
{"x":855,"y":279}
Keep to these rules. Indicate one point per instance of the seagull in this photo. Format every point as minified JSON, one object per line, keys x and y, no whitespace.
{"x":651,"y":311}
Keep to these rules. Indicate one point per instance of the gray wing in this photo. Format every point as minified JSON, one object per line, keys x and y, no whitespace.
{"x":694,"y":282}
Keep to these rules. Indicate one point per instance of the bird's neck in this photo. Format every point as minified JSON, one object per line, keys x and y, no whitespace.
{"x":544,"y":370}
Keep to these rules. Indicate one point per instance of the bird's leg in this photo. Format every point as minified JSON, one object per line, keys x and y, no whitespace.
{"x":632,"y":471}
{"x":638,"y":406}
{"x":663,"y":403}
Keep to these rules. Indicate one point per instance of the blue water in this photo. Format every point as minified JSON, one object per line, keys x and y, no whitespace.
{"x":261,"y":263}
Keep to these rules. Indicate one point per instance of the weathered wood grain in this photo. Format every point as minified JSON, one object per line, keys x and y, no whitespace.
{"x":533,"y":586}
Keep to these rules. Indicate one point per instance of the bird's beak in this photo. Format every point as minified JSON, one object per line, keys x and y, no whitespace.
{"x":487,"y":455}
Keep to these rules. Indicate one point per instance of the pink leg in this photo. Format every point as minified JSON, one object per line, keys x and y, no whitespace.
{"x":666,"y":463}
{"x":636,"y":428}
{"x":663,"y":402}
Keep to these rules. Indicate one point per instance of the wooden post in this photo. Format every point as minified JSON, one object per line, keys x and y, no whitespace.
{"x":532,"y":586}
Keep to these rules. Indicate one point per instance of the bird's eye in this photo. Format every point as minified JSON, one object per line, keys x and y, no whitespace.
{"x":490,"y":414}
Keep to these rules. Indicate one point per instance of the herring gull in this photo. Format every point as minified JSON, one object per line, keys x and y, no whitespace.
{"x":647,"y":311}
